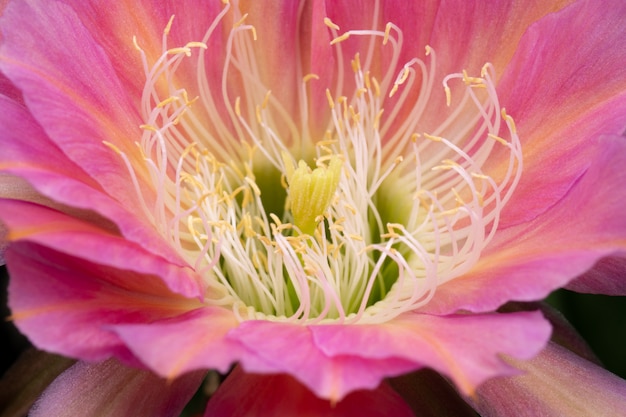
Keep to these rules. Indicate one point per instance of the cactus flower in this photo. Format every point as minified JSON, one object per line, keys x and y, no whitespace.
{"x":327,"y":194}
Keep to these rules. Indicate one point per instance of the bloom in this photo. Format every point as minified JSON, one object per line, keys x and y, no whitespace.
{"x":305,"y":188}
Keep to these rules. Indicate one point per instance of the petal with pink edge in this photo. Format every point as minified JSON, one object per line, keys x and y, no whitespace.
{"x":191,"y":341}
{"x":111,"y":389}
{"x":467,"y":348}
{"x":49,"y":171}
{"x":290,"y":348}
{"x":565,"y":88}
{"x":556,"y":383}
{"x":71,"y":89}
{"x":251,"y":395}
{"x":81,"y":299}
{"x":528,"y":261}
{"x":606,"y":277}
{"x":76,"y":238}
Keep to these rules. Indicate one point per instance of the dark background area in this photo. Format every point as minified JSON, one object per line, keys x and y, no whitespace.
{"x":600,"y":319}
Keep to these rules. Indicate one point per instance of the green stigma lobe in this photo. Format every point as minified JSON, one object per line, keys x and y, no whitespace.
{"x":311,"y":191}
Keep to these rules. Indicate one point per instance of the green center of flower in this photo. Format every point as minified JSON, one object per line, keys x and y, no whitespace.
{"x":390,"y":208}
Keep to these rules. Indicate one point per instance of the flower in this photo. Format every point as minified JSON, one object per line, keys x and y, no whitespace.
{"x":334,"y":193}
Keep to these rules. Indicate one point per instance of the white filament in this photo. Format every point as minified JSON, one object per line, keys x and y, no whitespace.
{"x":207,"y":202}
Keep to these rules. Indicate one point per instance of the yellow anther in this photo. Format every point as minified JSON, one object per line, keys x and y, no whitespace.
{"x":253,"y":29}
{"x":311,"y":191}
{"x":266,"y":99}
{"x":284,"y":226}
{"x":497,"y":139}
{"x":479,"y":176}
{"x":168,"y":27}
{"x":448,"y":95}
{"x":376,"y":86}
{"x":196,"y":44}
{"x":240,"y":21}
{"x":387,"y":31}
{"x":472,"y":81}
{"x":393,"y":90}
{"x":415,"y":137}
{"x":167,"y":101}
{"x":149,"y":127}
{"x":253,"y":185}
{"x":356,"y":63}
{"x":326,"y":142}
{"x":484,"y":70}
{"x":351,"y":208}
{"x":258,"y":115}
{"x":330,"y":23}
{"x":366,"y":77}
{"x":509,"y":120}
{"x":309,"y":77}
{"x":428,"y":49}
{"x":181,"y":50}
{"x":331,"y":102}
{"x":340,"y":38}
{"x":113,"y":147}
{"x":433,"y":138}
{"x":275,"y":219}
{"x":238,"y":106}
{"x":361,"y":91}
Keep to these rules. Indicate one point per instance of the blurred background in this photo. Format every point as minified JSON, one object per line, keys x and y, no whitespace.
{"x":600,"y":319}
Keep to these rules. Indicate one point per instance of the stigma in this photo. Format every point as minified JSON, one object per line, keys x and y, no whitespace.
{"x":357,"y":225}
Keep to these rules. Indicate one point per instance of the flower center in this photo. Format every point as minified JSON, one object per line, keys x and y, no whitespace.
{"x":384,"y":212}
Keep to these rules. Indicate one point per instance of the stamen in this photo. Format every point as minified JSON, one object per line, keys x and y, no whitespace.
{"x":372,"y":230}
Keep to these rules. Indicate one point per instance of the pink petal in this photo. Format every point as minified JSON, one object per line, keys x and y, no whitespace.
{"x":111,"y":389}
{"x":555,"y":383}
{"x":278,"y":48}
{"x":53,"y":175}
{"x":71,"y":89}
{"x":251,"y":395}
{"x":565,"y":88}
{"x":191,"y":341}
{"x":528,"y":261}
{"x":466,"y":348}
{"x":7,"y":88}
{"x":15,"y":188}
{"x":81,"y":300}
{"x":73,"y":237}
{"x":466,"y":34}
{"x":274,"y":347}
{"x":463,"y":34}
{"x":606,"y":277}
{"x":107,"y":24}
